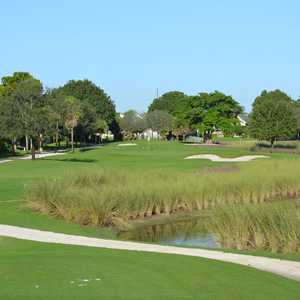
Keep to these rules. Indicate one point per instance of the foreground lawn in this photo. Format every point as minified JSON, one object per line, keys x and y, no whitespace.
{"x":31,"y":270}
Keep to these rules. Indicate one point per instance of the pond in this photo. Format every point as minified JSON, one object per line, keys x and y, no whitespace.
{"x":188,"y":233}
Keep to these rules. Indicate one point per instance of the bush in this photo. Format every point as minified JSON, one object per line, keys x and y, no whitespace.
{"x":5,"y":147}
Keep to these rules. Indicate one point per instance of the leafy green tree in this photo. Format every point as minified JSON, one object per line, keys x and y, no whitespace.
{"x":177,"y":104}
{"x":211,"y":111}
{"x":159,"y":120}
{"x":168,"y":102}
{"x":95,"y":105}
{"x":205,"y":112}
{"x":31,"y":113}
{"x":273,"y":116}
{"x":9,"y":83}
{"x":58,"y":114}
{"x":23,"y":108}
{"x":72,"y":116}
{"x":9,"y":126}
{"x":102,"y":126}
{"x":297,"y":115}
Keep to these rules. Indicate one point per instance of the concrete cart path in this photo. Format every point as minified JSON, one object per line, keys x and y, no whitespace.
{"x":48,"y":154}
{"x":290,"y":269}
{"x":37,"y":156}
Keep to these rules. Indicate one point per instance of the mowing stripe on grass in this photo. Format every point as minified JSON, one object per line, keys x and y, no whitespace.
{"x":5,"y":201}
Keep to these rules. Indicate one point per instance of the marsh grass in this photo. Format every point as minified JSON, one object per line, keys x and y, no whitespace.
{"x":267,"y":226}
{"x":106,"y":197}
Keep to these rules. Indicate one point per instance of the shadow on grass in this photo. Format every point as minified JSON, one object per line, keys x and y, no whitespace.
{"x":10,"y":155}
{"x":87,"y":149}
{"x":278,"y":147}
{"x":80,"y":160}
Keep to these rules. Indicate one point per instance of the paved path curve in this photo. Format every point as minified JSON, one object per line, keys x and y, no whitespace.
{"x":290,"y":269}
{"x":48,"y":154}
{"x":37,"y":156}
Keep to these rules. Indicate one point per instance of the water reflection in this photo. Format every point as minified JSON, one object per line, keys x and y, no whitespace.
{"x":190,"y":233}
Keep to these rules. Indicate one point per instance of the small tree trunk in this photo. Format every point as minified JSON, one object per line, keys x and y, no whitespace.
{"x":26,"y":143}
{"x":72,"y":139}
{"x":32,"y":151}
{"x":272,"y":143}
{"x":14,"y":146}
{"x":207,"y":137}
{"x":40,"y":143}
{"x":56,"y":135}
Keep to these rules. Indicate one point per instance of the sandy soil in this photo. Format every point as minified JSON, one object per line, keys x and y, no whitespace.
{"x":217,"y":158}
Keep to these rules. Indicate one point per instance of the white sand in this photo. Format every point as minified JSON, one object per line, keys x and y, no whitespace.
{"x":217,"y":158}
{"x":290,"y":269}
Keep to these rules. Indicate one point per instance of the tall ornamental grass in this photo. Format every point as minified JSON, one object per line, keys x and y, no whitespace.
{"x":104,"y":197}
{"x":274,"y":227}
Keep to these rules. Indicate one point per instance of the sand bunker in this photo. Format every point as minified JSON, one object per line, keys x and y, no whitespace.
{"x":126,"y":145}
{"x":217,"y":158}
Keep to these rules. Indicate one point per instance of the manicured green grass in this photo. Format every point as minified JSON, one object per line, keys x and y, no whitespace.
{"x":38,"y":271}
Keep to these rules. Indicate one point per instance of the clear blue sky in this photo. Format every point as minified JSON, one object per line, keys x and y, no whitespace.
{"x":132,"y":47}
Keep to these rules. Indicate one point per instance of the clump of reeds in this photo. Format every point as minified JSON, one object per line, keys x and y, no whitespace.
{"x":104,"y":196}
{"x":268,"y":226}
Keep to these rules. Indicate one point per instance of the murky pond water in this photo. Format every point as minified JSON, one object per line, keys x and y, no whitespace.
{"x":190,"y":233}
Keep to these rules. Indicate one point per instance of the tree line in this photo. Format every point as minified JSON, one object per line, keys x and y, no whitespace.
{"x":79,"y":111}
{"x":32,"y":115}
{"x":274,"y":116}
{"x":179,"y":114}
